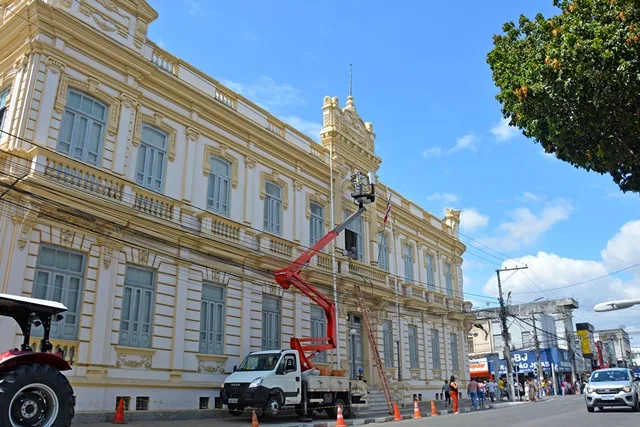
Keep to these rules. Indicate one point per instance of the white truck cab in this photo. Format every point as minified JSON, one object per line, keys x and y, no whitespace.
{"x":265,"y":379}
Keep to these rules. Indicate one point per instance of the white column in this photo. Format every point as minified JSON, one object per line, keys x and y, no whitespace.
{"x":439,"y":273}
{"x":105,"y":294}
{"x":249,"y":184}
{"x":128,"y":106}
{"x":180,"y":314}
{"x":189,"y":164}
{"x":54,"y":70}
{"x":25,"y":79}
{"x":420,"y":262}
{"x":247,"y":298}
{"x":298,"y":211}
{"x":426,"y":338}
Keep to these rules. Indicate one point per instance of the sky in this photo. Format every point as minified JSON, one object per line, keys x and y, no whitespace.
{"x":420,"y":76}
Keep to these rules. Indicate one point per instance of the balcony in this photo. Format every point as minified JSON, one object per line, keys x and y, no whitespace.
{"x":68,"y":350}
{"x":165,"y":61}
{"x":215,"y":225}
{"x":358,"y":270}
{"x":153,"y":204}
{"x":275,"y":245}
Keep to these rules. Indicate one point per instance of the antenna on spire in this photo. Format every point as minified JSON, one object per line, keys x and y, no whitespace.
{"x":350,"y":79}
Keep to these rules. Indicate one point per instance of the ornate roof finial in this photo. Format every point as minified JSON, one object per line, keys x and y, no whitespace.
{"x":350,"y":97}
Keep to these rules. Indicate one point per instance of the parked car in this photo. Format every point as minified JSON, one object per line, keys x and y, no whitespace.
{"x":617,"y":387}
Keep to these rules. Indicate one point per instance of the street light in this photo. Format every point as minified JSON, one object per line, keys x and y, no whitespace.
{"x":615,"y":305}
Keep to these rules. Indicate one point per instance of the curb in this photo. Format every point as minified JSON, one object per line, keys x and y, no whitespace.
{"x":378,"y":420}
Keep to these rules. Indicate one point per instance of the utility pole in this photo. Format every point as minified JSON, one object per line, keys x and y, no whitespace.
{"x":572,"y":355}
{"x":505,"y":333}
{"x":537,"y":343}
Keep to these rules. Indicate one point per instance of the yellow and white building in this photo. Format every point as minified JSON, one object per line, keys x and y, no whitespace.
{"x":154,"y":202}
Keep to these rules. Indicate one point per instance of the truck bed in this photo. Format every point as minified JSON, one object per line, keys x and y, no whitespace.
{"x":320,"y":383}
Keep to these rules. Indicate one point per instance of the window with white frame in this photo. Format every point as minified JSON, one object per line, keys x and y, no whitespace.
{"x":455,"y":363}
{"x":431,"y":282}
{"x":413,"y":347}
{"x":353,"y":241}
{"x":318,"y":329}
{"x":4,"y":95}
{"x":59,"y":277}
{"x":82,"y":128}
{"x":435,"y":348}
{"x":136,"y":320}
{"x":212,"y":319}
{"x":447,"y":279}
{"x":316,"y":223}
{"x":152,"y":159}
{"x":387,"y":341}
{"x":271,"y":315}
{"x":218,"y":188}
{"x":407,"y":255}
{"x":383,"y":252}
{"x":273,"y":208}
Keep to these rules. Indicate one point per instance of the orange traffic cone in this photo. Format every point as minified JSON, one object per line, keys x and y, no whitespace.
{"x":434,"y":411}
{"x":396,"y":412}
{"x":340,"y":419}
{"x":118,"y":418}
{"x":416,"y":410}
{"x":254,"y":419}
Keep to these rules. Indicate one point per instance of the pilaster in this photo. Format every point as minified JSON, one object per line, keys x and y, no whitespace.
{"x":54,"y":69}
{"x":192,"y":137}
{"x":128,"y":109}
{"x":249,"y":183}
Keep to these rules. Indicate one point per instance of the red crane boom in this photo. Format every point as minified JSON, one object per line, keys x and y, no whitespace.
{"x":290,"y":276}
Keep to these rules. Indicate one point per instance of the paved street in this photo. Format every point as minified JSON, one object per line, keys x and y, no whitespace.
{"x":569,"y":410}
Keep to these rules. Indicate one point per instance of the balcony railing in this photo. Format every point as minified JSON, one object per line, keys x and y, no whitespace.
{"x":153,"y":204}
{"x":68,"y":350}
{"x":275,"y":245}
{"x":359,"y":270}
{"x":221,"y":227}
{"x":164,"y":61}
{"x":70,"y":172}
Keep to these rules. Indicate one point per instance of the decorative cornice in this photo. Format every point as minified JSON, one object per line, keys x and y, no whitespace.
{"x":90,"y":87}
{"x":250,"y":162}
{"x":192,"y":134}
{"x":157,"y":121}
{"x":129,"y":101}
{"x":222,"y":153}
{"x":56,"y":65}
{"x":275,"y":178}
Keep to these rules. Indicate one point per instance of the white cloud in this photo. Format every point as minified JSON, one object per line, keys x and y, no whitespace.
{"x":525,"y":226}
{"x":442,"y":197}
{"x":502,"y":131}
{"x":432,"y":152}
{"x":556,"y":272}
{"x":195,"y":9}
{"x":472,"y":220}
{"x":309,"y":128}
{"x":531,"y":197}
{"x":468,"y":141}
{"x":266,"y":92}
{"x":622,"y":250}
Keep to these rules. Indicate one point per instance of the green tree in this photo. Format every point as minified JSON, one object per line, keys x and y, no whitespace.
{"x":572,"y":82}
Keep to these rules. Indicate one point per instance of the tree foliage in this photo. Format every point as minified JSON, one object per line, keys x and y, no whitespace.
{"x":572,"y":82}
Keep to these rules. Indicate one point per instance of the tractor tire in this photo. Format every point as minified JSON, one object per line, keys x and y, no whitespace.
{"x":36,"y":395}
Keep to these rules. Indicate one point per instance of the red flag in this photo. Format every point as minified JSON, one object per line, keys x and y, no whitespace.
{"x":387,"y":211}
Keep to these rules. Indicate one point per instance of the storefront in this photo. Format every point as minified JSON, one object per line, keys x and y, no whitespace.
{"x":479,"y":369}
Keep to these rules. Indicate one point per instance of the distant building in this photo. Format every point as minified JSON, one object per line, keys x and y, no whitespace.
{"x":617,"y":342}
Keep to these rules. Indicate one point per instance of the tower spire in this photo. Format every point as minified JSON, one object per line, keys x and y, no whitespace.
{"x":350,"y":97}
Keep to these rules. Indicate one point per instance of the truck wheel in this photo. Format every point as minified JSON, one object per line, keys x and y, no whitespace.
{"x":235,"y":411}
{"x":333,"y":411}
{"x":36,"y":395}
{"x":273,"y":406}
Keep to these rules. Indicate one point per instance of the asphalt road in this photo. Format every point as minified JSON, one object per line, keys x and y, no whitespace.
{"x":558,"y":411}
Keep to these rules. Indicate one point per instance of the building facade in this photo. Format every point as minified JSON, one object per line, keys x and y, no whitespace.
{"x":618,"y":346}
{"x":155,"y":203}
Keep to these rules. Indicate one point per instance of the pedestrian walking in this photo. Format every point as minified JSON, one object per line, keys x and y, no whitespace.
{"x":482,"y":390}
{"x":492,"y":387}
{"x":473,"y":393}
{"x":454,"y":393}
{"x":447,"y":393}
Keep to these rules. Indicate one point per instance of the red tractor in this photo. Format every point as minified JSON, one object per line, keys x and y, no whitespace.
{"x":33,"y":390}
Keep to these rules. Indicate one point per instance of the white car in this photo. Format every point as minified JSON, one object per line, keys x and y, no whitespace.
{"x":617,"y":387}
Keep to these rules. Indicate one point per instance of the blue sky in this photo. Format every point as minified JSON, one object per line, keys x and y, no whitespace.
{"x":420,"y":75}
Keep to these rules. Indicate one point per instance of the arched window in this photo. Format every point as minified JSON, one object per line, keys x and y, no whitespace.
{"x":152,"y":159}
{"x":218,"y":189}
{"x":316,"y":223}
{"x":273,"y":208}
{"x":82,"y":129}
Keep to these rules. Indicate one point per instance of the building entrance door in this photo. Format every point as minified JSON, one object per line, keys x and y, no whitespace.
{"x":356,"y":358}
